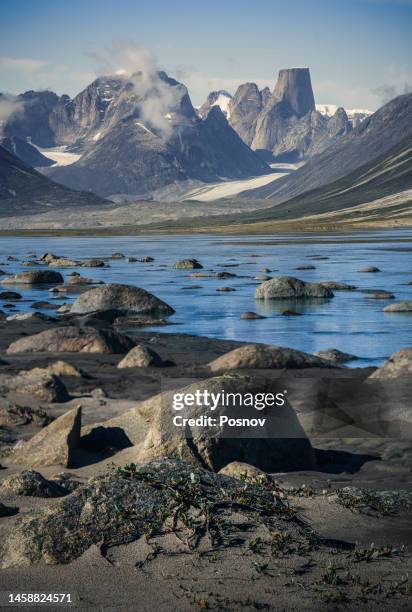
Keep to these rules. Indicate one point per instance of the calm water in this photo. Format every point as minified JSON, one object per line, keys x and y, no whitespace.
{"x":351,"y":321}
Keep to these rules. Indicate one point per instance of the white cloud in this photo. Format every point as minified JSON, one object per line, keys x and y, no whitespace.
{"x":29,"y":66}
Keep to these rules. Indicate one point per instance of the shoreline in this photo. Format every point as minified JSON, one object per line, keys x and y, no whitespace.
{"x":251,"y":229}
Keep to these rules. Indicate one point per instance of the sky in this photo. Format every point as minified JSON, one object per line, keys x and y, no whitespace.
{"x":359,"y":51}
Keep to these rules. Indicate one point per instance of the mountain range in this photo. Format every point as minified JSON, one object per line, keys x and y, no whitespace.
{"x":127,"y":138}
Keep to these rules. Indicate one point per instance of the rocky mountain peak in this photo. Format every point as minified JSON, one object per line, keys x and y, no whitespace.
{"x":294,"y":86}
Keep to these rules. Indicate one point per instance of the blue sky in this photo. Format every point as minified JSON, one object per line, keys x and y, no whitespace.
{"x":359,"y":51}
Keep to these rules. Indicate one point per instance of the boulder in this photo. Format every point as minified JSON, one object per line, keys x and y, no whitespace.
{"x":226,"y":289}
{"x":73,"y":339}
{"x":381,"y":295}
{"x":38,"y":383}
{"x":243,"y":471}
{"x":120,"y":297}
{"x":279,"y":445}
{"x":225,"y":275}
{"x":399,"y":364}
{"x":263,"y":277}
{"x":251,"y":315}
{"x":287,"y":287}
{"x":141,"y":357}
{"x":82,"y":280}
{"x":10,"y":296}
{"x":31,"y":316}
{"x":187,"y":264}
{"x":93,"y":263}
{"x":146,"y":259}
{"x":369,"y":269}
{"x":118,"y":508}
{"x":32,"y":484}
{"x":335,"y":286}
{"x":117,"y":256}
{"x":256,"y":356}
{"x":44,"y":305}
{"x":63,"y":368}
{"x":64,"y":263}
{"x":53,"y":445}
{"x":335,"y":356}
{"x":34,"y":277}
{"x":399,"y":307}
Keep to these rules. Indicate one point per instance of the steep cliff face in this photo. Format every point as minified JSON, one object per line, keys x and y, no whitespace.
{"x":294,"y":87}
{"x":285,"y":125}
{"x":245,"y":108}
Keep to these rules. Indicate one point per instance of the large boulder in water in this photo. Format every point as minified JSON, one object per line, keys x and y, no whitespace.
{"x":256,"y":356}
{"x":278,"y":444}
{"x":34,"y":277}
{"x":288,"y":287}
{"x":73,"y":339}
{"x":120,"y":297}
{"x":399,"y":307}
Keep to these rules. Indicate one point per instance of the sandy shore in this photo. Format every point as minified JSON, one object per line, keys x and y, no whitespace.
{"x":163,"y":573}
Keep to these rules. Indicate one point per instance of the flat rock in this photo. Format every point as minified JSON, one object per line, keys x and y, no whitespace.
{"x":305,"y":267}
{"x":73,"y":339}
{"x":286,"y":287}
{"x":34,"y":277}
{"x":399,"y":307}
{"x":120,"y":297}
{"x":399,"y":364}
{"x":335,"y":286}
{"x":369,"y":269}
{"x":32,"y":484}
{"x":10,"y":295}
{"x":335,"y":356}
{"x":54,"y":444}
{"x":256,"y":356}
{"x":251,"y":315}
{"x":64,"y":263}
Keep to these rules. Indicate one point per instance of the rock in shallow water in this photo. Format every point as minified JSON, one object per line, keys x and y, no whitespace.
{"x":286,"y":287}
{"x":120,"y":297}
{"x":187,"y":264}
{"x":399,"y":307}
{"x":34,"y":277}
{"x":335,"y":356}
